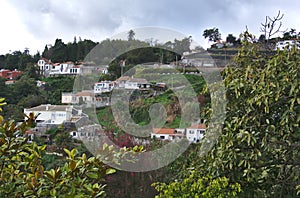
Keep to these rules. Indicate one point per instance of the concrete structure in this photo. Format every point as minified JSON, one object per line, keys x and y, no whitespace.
{"x":68,"y":98}
{"x":281,"y":45}
{"x":47,"y":68}
{"x":121,"y":81}
{"x":136,"y":83}
{"x":103,"y":86}
{"x":51,"y":114}
{"x":67,"y":68}
{"x":86,"y":97}
{"x":89,"y":69}
{"x":168,"y":134}
{"x":44,"y":66}
{"x":87,"y":132}
{"x":195,"y":132}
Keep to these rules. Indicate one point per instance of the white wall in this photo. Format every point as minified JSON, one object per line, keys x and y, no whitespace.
{"x":161,"y":136}
{"x":51,"y":117}
{"x":194,"y":135}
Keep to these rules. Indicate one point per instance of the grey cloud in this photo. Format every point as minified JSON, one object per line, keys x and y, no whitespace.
{"x":54,"y":17}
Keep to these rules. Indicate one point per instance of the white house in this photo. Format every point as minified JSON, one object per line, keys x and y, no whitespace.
{"x":167,"y":134}
{"x":88,"y":131}
{"x":51,"y":114}
{"x":45,"y":66}
{"x":67,"y":68}
{"x":136,"y":83}
{"x":195,"y":132}
{"x":103,"y":86}
{"x":121,"y":81}
{"x":281,"y":45}
{"x":85,"y":97}
{"x":68,"y":98}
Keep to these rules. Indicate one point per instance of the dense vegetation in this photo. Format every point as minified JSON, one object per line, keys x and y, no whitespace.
{"x":258,"y":151}
{"x":257,"y":154}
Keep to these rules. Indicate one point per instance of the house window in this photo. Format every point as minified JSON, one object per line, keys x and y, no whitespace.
{"x":74,"y":133}
{"x":82,"y":134}
{"x":191,"y":132}
{"x":162,"y":137}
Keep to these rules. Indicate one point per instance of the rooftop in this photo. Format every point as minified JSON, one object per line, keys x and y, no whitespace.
{"x":139,"y":80}
{"x":197,"y":126}
{"x":49,"y":107}
{"x":124,"y":78}
{"x":163,"y":131}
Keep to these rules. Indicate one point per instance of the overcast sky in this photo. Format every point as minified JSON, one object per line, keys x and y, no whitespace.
{"x":35,"y":23}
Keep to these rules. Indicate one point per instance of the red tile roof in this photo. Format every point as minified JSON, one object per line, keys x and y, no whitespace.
{"x":10,"y":74}
{"x":163,"y":131}
{"x":197,"y":126}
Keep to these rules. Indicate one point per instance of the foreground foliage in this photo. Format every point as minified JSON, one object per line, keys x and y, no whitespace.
{"x":195,"y":186}
{"x":23,"y":175}
{"x":259,"y":148}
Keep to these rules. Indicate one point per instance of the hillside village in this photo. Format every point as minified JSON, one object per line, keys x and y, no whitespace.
{"x":68,"y":104}
{"x":70,"y":112}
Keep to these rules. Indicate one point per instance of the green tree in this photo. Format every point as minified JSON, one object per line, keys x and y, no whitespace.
{"x":259,"y":146}
{"x":231,"y":39}
{"x":195,"y":186}
{"x":22,"y":173}
{"x":212,"y":34}
{"x":22,"y":88}
{"x":131,"y":35}
{"x":261,"y":132}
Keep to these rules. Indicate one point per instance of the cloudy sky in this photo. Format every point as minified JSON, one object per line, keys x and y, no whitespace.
{"x":35,"y":23}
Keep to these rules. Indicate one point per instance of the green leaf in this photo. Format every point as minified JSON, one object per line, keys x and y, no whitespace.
{"x":110,"y":171}
{"x":92,"y":175}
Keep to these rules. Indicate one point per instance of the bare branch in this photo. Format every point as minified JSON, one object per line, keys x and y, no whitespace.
{"x":271,"y":26}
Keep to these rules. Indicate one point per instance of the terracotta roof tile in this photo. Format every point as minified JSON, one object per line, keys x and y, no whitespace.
{"x":197,"y":126}
{"x":163,"y":131}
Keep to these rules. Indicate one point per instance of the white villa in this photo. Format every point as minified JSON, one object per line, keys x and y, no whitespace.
{"x":168,"y":134}
{"x":136,"y":83}
{"x":281,"y":45}
{"x":103,"y":86}
{"x":51,"y":114}
{"x":195,"y":132}
{"x":121,"y":81}
{"x":47,"y":68}
{"x":132,"y":83}
{"x":67,"y":68}
{"x":86,"y":96}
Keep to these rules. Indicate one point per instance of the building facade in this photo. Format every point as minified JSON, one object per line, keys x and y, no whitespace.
{"x":51,"y":114}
